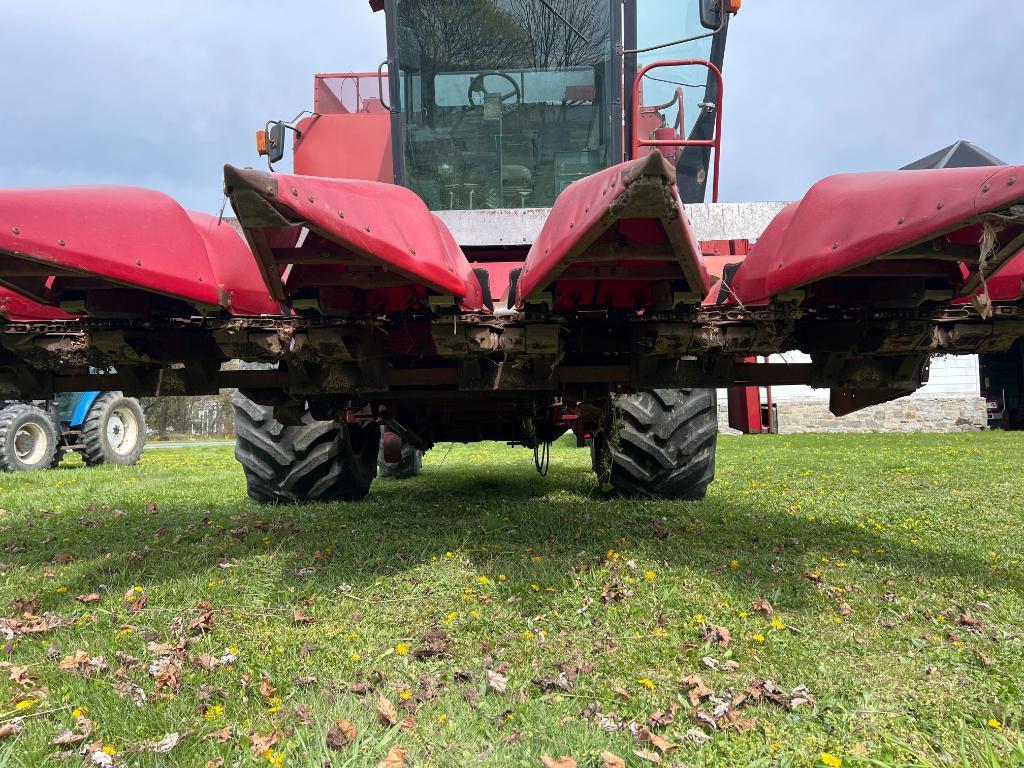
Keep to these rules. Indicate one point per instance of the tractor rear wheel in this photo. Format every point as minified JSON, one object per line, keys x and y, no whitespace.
{"x":409,"y":465}
{"x":114,"y":431}
{"x":316,"y":461}
{"x":662,"y":444}
{"x":28,"y":438}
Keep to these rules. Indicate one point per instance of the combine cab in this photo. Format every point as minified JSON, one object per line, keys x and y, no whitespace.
{"x":506,"y":237}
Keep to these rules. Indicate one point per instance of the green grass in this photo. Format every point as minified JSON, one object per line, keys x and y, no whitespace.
{"x":910,"y":531}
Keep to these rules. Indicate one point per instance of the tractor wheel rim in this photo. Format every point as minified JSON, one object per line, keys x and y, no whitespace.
{"x":122,"y":431}
{"x":30,"y":443}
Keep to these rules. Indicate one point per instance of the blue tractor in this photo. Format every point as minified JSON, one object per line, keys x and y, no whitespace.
{"x":105,"y":427}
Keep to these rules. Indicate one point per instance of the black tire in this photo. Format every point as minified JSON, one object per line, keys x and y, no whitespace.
{"x":410,"y":465}
{"x":317,"y":461}
{"x":28,"y":438}
{"x":114,"y":431}
{"x":662,"y":444}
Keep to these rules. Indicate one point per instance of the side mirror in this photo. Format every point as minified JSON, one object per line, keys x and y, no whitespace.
{"x":275,"y":142}
{"x":711,"y":12}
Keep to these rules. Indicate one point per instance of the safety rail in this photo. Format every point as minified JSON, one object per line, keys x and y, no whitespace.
{"x":714,"y":144}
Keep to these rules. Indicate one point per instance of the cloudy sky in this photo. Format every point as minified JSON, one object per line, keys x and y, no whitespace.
{"x":163,"y":94}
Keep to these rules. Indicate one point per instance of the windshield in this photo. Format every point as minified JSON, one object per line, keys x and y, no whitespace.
{"x":504,"y":103}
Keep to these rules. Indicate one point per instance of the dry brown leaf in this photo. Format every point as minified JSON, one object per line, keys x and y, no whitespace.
{"x":303,"y":714}
{"x":622,"y":693}
{"x":396,"y":757}
{"x":762,"y":607}
{"x":204,"y":621}
{"x":262,"y":744}
{"x":611,"y":760}
{"x":565,"y":761}
{"x":341,"y":734}
{"x":217,"y":762}
{"x":435,"y":643}
{"x":266,"y":689}
{"x":299,"y":616}
{"x":67,"y":737}
{"x":845,"y":609}
{"x":644,"y":735}
{"x":222,"y":736}
{"x":166,"y":744}
{"x":696,"y":690}
{"x":386,"y":710}
{"x":9,"y":729}
{"x":986,"y":661}
{"x":205,"y":661}
{"x":973,"y":624}
{"x":646,"y":754}
{"x":139,"y":604}
{"x":92,"y":597}
{"x":27,"y":606}
{"x":169,"y":678}
{"x":20,"y":676}
{"x":496,"y":680}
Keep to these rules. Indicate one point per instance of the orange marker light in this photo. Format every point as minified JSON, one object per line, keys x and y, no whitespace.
{"x":261,"y":142}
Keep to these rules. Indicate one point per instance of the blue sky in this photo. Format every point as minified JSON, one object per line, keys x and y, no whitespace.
{"x":162,"y":95}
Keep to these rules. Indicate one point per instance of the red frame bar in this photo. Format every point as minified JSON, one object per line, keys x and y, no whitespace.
{"x":715,"y":143}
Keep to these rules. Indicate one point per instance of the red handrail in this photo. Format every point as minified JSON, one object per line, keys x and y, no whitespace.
{"x":715,"y":143}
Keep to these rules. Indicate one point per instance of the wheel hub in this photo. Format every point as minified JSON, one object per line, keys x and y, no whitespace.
{"x":29,"y":443}
{"x":122,"y":431}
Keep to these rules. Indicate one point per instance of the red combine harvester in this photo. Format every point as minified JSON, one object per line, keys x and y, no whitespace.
{"x":505,"y":237}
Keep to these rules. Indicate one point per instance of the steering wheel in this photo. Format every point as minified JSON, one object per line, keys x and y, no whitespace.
{"x":476,"y":85}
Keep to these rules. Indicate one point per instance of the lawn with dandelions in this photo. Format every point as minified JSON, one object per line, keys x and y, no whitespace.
{"x":837,"y":600}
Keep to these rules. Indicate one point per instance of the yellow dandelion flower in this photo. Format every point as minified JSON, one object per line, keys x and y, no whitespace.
{"x":698,"y":618}
{"x":402,"y":649}
{"x":451,"y":617}
{"x":649,"y":576}
{"x":276,"y":759}
{"x":647,"y":683}
{"x":475,"y":614}
{"x":109,"y":750}
{"x":442,"y":719}
{"x":405,"y":695}
{"x":837,"y":619}
{"x":735,"y":564}
{"x":61,"y":590}
{"x":535,"y":587}
{"x":355,"y":658}
{"x":827,"y":758}
{"x":994,"y":724}
{"x":483,"y":579}
{"x":758,"y":638}
{"x":743,"y":614}
{"x":212,"y":713}
{"x":775,"y":746}
{"x":24,"y":704}
{"x":78,"y":712}
{"x":502,"y":577}
{"x":275,"y":704}
{"x":550,"y":589}
{"x":527,"y":635}
{"x":778,"y":624}
{"x":449,"y":555}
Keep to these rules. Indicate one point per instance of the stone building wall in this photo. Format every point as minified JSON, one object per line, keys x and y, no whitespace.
{"x":949,"y":413}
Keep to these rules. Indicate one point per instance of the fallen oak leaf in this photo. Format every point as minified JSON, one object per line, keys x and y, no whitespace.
{"x":396,"y":757}
{"x":263,"y":744}
{"x":386,"y":710}
{"x":644,"y":736}
{"x":169,"y":678}
{"x":762,"y":607}
{"x":646,"y":754}
{"x":611,"y":760}
{"x":341,"y":734}
{"x":202,"y":623}
{"x":565,"y":761}
{"x":695,"y":688}
{"x":496,"y":680}
{"x":303,"y":714}
{"x":10,"y":729}
{"x":221,"y":736}
{"x":266,"y":689}
{"x":166,"y":744}
{"x":299,"y":616}
{"x":92,"y":597}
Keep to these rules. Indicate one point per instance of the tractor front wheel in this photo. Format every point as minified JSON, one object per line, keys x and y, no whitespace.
{"x":661,"y":444}
{"x":315,"y":461}
{"x":28,"y":438}
{"x":114,"y":431}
